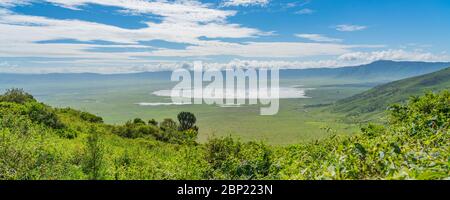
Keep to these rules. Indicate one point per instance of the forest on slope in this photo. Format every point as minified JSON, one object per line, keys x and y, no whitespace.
{"x":379,"y":98}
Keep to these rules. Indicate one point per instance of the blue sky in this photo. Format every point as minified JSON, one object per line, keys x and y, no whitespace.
{"x":114,"y":36}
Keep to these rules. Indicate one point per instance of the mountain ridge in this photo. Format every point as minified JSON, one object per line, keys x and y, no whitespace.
{"x":381,"y":71}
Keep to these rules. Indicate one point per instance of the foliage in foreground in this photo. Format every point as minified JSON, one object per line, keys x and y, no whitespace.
{"x":40,"y":142}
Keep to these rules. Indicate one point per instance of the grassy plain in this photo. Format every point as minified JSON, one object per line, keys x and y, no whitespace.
{"x":115,"y":100}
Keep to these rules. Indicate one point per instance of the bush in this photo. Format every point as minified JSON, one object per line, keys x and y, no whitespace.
{"x":153,"y":122}
{"x":138,"y":121}
{"x":43,"y":114}
{"x":16,"y":95}
{"x":230,"y":159}
{"x":168,"y":124}
{"x":167,"y":132}
{"x":422,"y":115}
{"x":414,"y":145}
{"x":93,"y":163}
{"x":135,"y":130}
{"x":90,"y":117}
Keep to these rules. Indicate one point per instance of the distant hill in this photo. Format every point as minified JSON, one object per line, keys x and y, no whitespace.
{"x":379,"y":71}
{"x":378,"y":98}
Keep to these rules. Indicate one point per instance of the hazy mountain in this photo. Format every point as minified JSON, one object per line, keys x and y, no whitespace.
{"x":382,"y":71}
{"x":375,"y":73}
{"x":378,"y":98}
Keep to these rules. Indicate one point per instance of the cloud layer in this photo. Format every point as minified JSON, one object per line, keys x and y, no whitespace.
{"x":204,"y":30}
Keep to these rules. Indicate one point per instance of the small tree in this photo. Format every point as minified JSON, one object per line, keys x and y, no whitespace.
{"x":187,"y":121}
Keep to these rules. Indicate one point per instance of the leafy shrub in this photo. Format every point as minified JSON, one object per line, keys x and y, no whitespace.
{"x":93,"y":163}
{"x":153,"y":122}
{"x":168,"y":124}
{"x":138,"y":121}
{"x":90,"y":117}
{"x":43,"y":114}
{"x":230,"y":159}
{"x":425,"y":115}
{"x":135,"y":130}
{"x":373,"y":130}
{"x":16,"y":95}
{"x":413,"y":144}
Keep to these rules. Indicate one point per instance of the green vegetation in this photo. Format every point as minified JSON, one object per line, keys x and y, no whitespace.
{"x":115,"y":98}
{"x":380,"y":97}
{"x":41,"y":142}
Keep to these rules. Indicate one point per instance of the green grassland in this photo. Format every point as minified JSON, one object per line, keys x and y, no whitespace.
{"x":114,"y":98}
{"x":41,"y":142}
{"x":115,"y":101}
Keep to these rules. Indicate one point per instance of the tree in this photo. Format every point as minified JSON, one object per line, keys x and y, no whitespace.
{"x":187,"y":121}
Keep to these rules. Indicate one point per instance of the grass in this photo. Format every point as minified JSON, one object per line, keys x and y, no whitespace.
{"x":412,"y":145}
{"x":115,"y":101}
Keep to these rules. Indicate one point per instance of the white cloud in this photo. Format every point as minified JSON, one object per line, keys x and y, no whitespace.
{"x":318,"y":38}
{"x":262,"y":49}
{"x":184,"y":22}
{"x":171,"y":10}
{"x":9,"y":3}
{"x":282,"y":64}
{"x":21,"y":32}
{"x":132,"y":66}
{"x":305,"y":11}
{"x":245,"y":2}
{"x":349,"y":28}
{"x":393,"y":54}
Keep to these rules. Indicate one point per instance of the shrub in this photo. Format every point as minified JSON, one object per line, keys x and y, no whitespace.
{"x":138,"y":121}
{"x":424,"y":115}
{"x":230,"y":159}
{"x":93,"y":163}
{"x":43,"y":114}
{"x":90,"y":117}
{"x":153,"y":122}
{"x":168,"y":124}
{"x":16,"y":95}
{"x":135,"y":130}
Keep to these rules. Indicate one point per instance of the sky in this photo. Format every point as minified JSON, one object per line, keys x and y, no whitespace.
{"x":123,"y":36}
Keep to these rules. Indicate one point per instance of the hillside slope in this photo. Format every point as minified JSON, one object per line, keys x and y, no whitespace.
{"x":378,"y":98}
{"x":38,"y":142}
